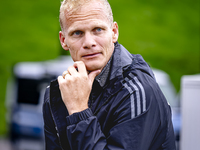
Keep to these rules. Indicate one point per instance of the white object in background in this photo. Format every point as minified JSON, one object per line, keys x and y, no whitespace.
{"x":190,"y":108}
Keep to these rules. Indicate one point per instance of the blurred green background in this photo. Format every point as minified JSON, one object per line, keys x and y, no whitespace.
{"x":164,"y":32}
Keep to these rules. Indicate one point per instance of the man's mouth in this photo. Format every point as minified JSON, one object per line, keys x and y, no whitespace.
{"x":91,"y":55}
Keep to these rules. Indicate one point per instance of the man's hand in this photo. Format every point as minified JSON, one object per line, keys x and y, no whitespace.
{"x":76,"y":86}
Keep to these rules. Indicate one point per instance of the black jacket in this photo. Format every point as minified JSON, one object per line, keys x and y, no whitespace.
{"x":129,"y":113}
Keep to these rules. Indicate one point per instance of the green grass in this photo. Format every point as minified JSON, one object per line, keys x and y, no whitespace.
{"x":166,"y":33}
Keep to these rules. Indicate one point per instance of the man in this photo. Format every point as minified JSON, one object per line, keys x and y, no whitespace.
{"x":109,"y":98}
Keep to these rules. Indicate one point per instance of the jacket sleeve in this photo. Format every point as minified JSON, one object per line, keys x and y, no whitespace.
{"x":84,"y":131}
{"x":51,"y":138}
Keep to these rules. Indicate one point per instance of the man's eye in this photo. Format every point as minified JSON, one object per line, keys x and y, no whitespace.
{"x":77,"y":33}
{"x":98,"y":29}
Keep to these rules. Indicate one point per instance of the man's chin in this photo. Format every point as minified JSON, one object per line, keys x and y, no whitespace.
{"x":93,"y":67}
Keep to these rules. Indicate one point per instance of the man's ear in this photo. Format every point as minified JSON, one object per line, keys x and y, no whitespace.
{"x":115,"y":32}
{"x":62,"y":41}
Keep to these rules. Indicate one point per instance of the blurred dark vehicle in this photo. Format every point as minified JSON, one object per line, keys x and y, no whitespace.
{"x":25,"y":94}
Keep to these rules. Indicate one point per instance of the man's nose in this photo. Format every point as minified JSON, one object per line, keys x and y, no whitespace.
{"x":89,"y":41}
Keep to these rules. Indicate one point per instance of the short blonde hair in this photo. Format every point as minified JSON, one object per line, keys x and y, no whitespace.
{"x":73,"y":5}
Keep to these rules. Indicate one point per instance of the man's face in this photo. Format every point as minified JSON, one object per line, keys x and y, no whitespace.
{"x":89,"y":36}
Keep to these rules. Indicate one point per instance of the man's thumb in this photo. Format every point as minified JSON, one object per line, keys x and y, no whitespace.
{"x":93,"y":74}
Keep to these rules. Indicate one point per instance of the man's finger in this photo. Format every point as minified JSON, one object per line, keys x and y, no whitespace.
{"x":60,"y":79}
{"x":81,"y":66}
{"x":65,"y":73}
{"x":72,"y":71}
{"x":93,"y":74}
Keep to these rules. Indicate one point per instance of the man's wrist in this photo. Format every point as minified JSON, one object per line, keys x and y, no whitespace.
{"x":71,"y":112}
{"x":79,"y":116}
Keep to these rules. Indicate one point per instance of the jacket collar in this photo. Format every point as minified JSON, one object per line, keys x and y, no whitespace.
{"x":103,"y":76}
{"x":121,"y":59}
